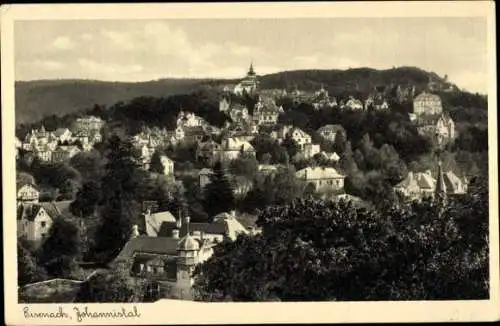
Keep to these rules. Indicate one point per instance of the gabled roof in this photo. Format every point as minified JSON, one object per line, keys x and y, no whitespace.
{"x":60,"y":131}
{"x":150,"y":245}
{"x":418,"y":180}
{"x":21,"y":184}
{"x":152,"y":223}
{"x":452,"y":182}
{"x":205,"y":171}
{"x":425,"y":96}
{"x":30,"y":211}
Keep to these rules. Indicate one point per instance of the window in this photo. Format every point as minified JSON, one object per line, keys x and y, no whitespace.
{"x":43,"y":224}
{"x":43,"y":235}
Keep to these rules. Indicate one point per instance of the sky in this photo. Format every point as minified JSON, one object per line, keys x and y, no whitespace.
{"x":142,"y":50}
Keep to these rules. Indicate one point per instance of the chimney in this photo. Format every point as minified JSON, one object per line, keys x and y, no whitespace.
{"x":175,"y":234}
{"x":135,"y":231}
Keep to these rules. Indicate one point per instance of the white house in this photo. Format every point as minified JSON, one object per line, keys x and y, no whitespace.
{"x":427,"y":104}
{"x":27,"y":193}
{"x":232,"y":147}
{"x":168,"y":165}
{"x":34,"y":220}
{"x":63,"y":134}
{"x":330,"y":132}
{"x":300,"y":137}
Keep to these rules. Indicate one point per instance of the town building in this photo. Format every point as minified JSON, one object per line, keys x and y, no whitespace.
{"x":168,"y":165}
{"x":64,"y":153}
{"x":300,"y":137}
{"x":330,"y":132}
{"x":308,"y":151}
{"x":330,"y":156}
{"x":189,"y":119}
{"x":224,"y":104}
{"x":238,"y":113}
{"x":207,"y":152}
{"x":321,"y":99}
{"x":63,"y":135}
{"x":266,"y":112}
{"x":323,"y":179}
{"x":427,"y":104}
{"x":419,"y":185}
{"x":204,"y":177}
{"x":440,"y":128}
{"x":87,"y":123}
{"x":353,"y":104}
{"x":268,"y":169}
{"x":27,"y":193}
{"x":34,"y":220}
{"x":232,"y":147}
{"x":168,"y":258}
{"x":249,"y":85}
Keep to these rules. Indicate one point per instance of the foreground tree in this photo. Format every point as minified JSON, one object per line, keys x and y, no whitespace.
{"x":123,"y":181}
{"x":59,"y":252}
{"x":219,"y":197}
{"x":28,"y":270}
{"x":115,"y":285}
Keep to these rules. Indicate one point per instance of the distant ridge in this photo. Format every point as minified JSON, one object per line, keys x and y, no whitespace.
{"x":40,"y":98}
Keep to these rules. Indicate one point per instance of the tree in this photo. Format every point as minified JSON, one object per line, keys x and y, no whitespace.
{"x":28,"y":270}
{"x":115,"y":285}
{"x":312,"y":250}
{"x":86,"y":199}
{"x":219,"y":195}
{"x":89,"y":164}
{"x":292,"y":148}
{"x":62,"y":247}
{"x":340,"y":142}
{"x":25,"y":178}
{"x":119,"y":210}
{"x":246,"y":165}
{"x":156,"y":165}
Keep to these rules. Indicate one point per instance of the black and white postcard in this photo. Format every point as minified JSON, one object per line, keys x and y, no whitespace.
{"x":250,"y":163}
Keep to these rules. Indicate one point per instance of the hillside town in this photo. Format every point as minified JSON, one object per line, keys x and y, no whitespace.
{"x":259,"y":152}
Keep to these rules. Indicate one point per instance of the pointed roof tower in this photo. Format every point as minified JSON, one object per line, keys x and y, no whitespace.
{"x":251,"y":71}
{"x":440,"y":192}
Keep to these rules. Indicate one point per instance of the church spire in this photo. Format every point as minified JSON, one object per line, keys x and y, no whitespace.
{"x":251,"y":71}
{"x":440,"y":194}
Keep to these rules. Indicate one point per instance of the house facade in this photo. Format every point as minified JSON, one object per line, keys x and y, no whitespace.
{"x":330,"y":132}
{"x":323,"y":179}
{"x":87,"y":123}
{"x":427,"y":104}
{"x":419,"y":185}
{"x":64,"y":153}
{"x":300,"y":137}
{"x":169,"y":257}
{"x":34,"y":220}
{"x":168,"y":165}
{"x":233,"y":147}
{"x":27,"y":193}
